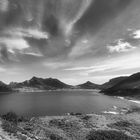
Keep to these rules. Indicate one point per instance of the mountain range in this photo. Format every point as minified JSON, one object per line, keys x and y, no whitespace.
{"x":40,"y":84}
{"x":35,"y":84}
{"x":120,"y":86}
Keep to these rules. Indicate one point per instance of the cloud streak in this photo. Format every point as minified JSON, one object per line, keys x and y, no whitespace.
{"x":25,"y":32}
{"x":123,"y":63}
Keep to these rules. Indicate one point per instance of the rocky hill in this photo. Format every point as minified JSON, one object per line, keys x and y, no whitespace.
{"x":128,"y":86}
{"x":36,"y":83}
{"x":89,"y":85}
{"x":4,"y":87}
{"x":112,"y":82}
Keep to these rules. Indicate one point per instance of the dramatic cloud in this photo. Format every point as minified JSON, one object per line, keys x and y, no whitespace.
{"x":121,"y":47}
{"x":74,"y":40}
{"x":4,"y":5}
{"x":136,"y":34}
{"x":14,"y":43}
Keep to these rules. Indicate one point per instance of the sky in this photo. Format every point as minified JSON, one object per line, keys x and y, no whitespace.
{"x":72,"y":40}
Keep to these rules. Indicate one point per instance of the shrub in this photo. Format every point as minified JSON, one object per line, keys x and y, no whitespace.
{"x":107,"y":135}
{"x":131,"y":127}
{"x":86,"y":117}
{"x":55,"y":137}
{"x":121,"y":124}
{"x":9,"y":127}
{"x":57,"y":122}
{"x":134,"y":109}
{"x":11,"y":117}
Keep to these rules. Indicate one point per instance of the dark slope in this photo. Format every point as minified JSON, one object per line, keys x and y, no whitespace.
{"x":112,"y":82}
{"x":129,"y":86}
{"x":4,"y":87}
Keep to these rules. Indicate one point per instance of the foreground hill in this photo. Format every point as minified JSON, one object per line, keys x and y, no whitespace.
{"x":112,"y":82}
{"x":88,"y":85}
{"x":127,"y":86}
{"x":36,"y":83}
{"x":4,"y":87}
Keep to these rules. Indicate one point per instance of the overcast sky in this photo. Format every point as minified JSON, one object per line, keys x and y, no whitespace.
{"x":73,"y":40}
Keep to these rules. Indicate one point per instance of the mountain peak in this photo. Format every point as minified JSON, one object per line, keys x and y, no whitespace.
{"x":34,"y":78}
{"x":89,"y":82}
{"x":89,"y":85}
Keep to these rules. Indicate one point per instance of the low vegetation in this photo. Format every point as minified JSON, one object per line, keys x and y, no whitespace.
{"x":71,"y":127}
{"x":108,"y":135}
{"x":134,"y":109}
{"x":14,"y":118}
{"x":11,"y":128}
{"x":132,"y":127}
{"x":56,"y":137}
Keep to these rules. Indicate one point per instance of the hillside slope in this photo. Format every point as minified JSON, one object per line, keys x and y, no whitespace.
{"x":128,"y":86}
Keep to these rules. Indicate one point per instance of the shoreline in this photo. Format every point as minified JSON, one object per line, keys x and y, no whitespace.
{"x":42,"y":91}
{"x":130,"y":99}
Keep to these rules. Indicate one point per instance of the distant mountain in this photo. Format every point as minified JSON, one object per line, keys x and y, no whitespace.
{"x":36,"y":83}
{"x":88,"y":85}
{"x":128,"y":86}
{"x":4,"y":87}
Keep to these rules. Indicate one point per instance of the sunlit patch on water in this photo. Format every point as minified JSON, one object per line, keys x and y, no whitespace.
{"x":135,"y":101}
{"x":111,"y":112}
{"x":116,"y":110}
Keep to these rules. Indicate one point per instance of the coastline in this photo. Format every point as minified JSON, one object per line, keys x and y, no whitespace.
{"x":130,"y":99}
{"x":49,"y":90}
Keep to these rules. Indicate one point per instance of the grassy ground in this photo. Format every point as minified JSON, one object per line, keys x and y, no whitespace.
{"x":74,"y":127}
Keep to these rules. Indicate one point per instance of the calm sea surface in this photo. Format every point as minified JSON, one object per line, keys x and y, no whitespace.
{"x":58,"y":103}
